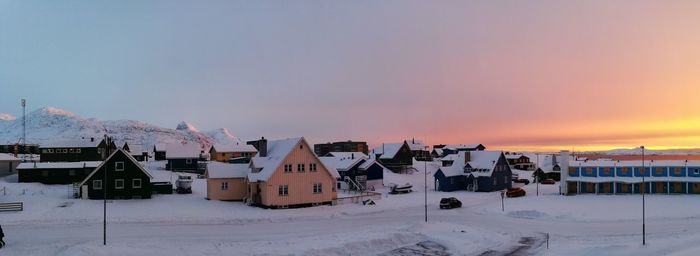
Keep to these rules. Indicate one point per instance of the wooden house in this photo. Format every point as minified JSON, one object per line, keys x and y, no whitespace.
{"x":357,"y":171}
{"x":138,"y":153}
{"x":125,"y":178}
{"x":184,"y":157}
{"x":419,"y":150}
{"x":78,"y":150}
{"x":448,"y":149}
{"x":397,"y":157}
{"x":55,"y":173}
{"x":19,"y":148}
{"x":287,"y":173}
{"x":519,"y":161}
{"x":341,"y":146}
{"x":159,"y":152}
{"x":226,"y":152}
{"x":8,"y":164}
{"x":481,"y":171}
{"x":227,"y":182}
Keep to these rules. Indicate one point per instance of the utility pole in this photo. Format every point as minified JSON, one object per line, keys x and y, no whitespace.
{"x":104,"y":201}
{"x":24,"y":129}
{"x":537,"y":176}
{"x":644,"y":231}
{"x":425,"y":176}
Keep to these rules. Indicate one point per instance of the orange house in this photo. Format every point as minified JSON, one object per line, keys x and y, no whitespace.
{"x":226,"y":182}
{"x":289,"y":174}
{"x":224,"y":152}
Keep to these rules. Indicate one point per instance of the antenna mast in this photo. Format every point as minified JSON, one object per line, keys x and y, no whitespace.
{"x":24,"y":126}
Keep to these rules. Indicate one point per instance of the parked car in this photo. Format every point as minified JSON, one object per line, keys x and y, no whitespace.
{"x":526,"y":181}
{"x":450,"y":203}
{"x":549,"y":182}
{"x":515,"y":192}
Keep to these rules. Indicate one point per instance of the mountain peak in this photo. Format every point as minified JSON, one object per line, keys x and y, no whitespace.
{"x":185,"y":126}
{"x":7,"y":117}
{"x":55,"y":111}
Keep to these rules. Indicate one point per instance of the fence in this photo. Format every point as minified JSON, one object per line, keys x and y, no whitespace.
{"x":11,"y":207}
{"x":355,"y":199}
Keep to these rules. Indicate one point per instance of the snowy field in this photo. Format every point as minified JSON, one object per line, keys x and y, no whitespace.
{"x":53,"y":223}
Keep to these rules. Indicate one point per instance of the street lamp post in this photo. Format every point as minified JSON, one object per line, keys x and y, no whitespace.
{"x":644,"y":238}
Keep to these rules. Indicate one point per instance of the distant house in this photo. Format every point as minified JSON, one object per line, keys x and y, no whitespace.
{"x":19,"y":149}
{"x":138,"y":152}
{"x":287,"y":173}
{"x":397,"y":157}
{"x":482,"y":171}
{"x":159,"y":151}
{"x":227,"y":182}
{"x":184,"y":157}
{"x":341,"y":146}
{"x":8,"y":164}
{"x":419,"y":150}
{"x":126,"y":179}
{"x":77,"y":150}
{"x":519,"y":161}
{"x":226,"y":152}
{"x":448,"y":149}
{"x":55,"y":173}
{"x":357,"y":171}
{"x":548,"y":167}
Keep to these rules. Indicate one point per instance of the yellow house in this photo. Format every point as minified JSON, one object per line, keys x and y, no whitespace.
{"x":226,"y":182}
{"x":224,"y":152}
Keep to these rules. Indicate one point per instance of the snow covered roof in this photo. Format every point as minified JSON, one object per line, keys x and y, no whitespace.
{"x":547,"y":163}
{"x":633,"y":179}
{"x":450,"y":157}
{"x":8,"y":157}
{"x":76,"y":143}
{"x":462,"y":146}
{"x":277,"y":151}
{"x":218,"y":170}
{"x":136,"y":150}
{"x":343,"y":161}
{"x":160,"y":147}
{"x":348,"y":154}
{"x":514,"y":156}
{"x":481,"y":162}
{"x":234,"y":147}
{"x":61,"y":165}
{"x":118,"y":151}
{"x":635,"y":163}
{"x":438,"y":151}
{"x":387,"y":150}
{"x":416,"y":145}
{"x":183,"y":150}
{"x":368,"y":163}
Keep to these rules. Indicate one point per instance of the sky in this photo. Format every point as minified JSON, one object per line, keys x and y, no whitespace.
{"x":514,"y":75}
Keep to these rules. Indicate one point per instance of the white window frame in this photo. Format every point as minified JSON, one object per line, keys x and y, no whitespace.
{"x":313,"y":167}
{"x":116,"y":166}
{"x":133,"y":183}
{"x":117,"y":186}
{"x":224,"y":185}
{"x":50,"y":150}
{"x":97,"y":184}
{"x":301,"y":167}
{"x":288,"y":168}
{"x":77,"y":151}
{"x":318,"y":188}
{"x":188,"y":161}
{"x":283,"y":190}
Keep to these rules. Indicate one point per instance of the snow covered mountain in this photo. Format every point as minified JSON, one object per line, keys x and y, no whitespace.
{"x":52,"y":124}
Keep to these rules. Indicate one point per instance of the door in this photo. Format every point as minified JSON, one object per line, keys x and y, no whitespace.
{"x":84,"y":191}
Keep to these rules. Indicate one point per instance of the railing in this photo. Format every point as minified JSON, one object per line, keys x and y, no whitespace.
{"x":11,"y":207}
{"x":359,"y":198}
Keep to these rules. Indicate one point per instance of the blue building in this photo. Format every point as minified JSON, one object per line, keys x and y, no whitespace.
{"x":356,"y":170}
{"x":625,"y":177}
{"x":184,"y":157}
{"x":481,"y":171}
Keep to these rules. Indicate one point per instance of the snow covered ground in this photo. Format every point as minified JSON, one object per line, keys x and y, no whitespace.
{"x":55,"y":224}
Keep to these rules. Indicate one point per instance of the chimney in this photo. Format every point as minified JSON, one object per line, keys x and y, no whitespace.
{"x":352,"y":156}
{"x":92,"y":139}
{"x":260,"y":145}
{"x":413,"y":140}
{"x":564,"y":172}
{"x":467,"y":157}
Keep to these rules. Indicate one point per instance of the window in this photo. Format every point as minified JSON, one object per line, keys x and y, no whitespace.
{"x":44,"y":151}
{"x":97,"y":184}
{"x":312,"y":167}
{"x":318,"y":188}
{"x":224,"y":185}
{"x":300,"y":167}
{"x":136,"y":183}
{"x":45,"y":173}
{"x":50,"y":150}
{"x":494,"y":182}
{"x":677,"y":171}
{"x":71,"y":172}
{"x":188,"y":161}
{"x":77,"y":150}
{"x":283,"y":190}
{"x":119,"y":166}
{"x":287,"y":168}
{"x":119,"y":183}
{"x":65,"y":150}
{"x":71,"y":150}
{"x":301,"y":146}
{"x":99,"y":151}
{"x":696,"y":171}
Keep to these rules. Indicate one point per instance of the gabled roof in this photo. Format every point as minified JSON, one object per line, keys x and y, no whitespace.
{"x":160,"y":147}
{"x":438,"y":151}
{"x":514,"y":156}
{"x":388,"y":150}
{"x":481,"y":162}
{"x":368,"y":163}
{"x":547,"y":163}
{"x":218,"y":170}
{"x":118,"y":151}
{"x":8,"y":157}
{"x":343,"y":161}
{"x":59,"y":165}
{"x":277,"y":151}
{"x":136,"y":150}
{"x":76,"y":143}
{"x":233,"y":147}
{"x":347,"y":154}
{"x":183,"y":150}
{"x":416,"y":145}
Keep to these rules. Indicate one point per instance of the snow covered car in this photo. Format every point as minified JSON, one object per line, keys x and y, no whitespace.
{"x":525,"y":181}
{"x":549,"y":182}
{"x":515,"y":192}
{"x":450,"y":203}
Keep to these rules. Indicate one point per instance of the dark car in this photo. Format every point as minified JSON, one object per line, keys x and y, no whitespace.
{"x":525,"y":181}
{"x":450,"y":203}
{"x":515,"y":192}
{"x":549,"y":182}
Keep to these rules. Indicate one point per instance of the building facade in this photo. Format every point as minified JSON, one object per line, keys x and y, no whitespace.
{"x":480,"y":171}
{"x":125,"y":178}
{"x":78,"y":150}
